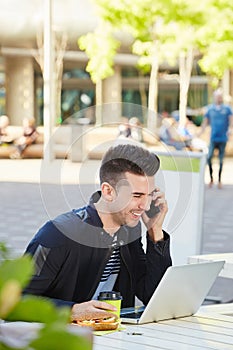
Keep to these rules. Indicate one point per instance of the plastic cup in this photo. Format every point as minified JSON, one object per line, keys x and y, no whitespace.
{"x":113,"y":298}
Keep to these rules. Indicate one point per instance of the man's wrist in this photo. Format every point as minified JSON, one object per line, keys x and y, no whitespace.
{"x":156,"y":235}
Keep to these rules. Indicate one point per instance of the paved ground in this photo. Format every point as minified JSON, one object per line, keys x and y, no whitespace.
{"x":32,"y":192}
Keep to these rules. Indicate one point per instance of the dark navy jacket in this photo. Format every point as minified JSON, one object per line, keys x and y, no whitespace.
{"x":71,"y":251}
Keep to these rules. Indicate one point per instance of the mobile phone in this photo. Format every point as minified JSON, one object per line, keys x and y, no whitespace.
{"x":154,"y":209}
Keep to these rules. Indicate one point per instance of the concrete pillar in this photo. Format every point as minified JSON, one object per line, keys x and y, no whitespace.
{"x":112,"y":106}
{"x":19,"y":88}
{"x":226,"y":83}
{"x":231,"y":86}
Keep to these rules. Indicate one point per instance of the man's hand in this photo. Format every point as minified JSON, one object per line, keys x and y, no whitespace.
{"x":154,"y":224}
{"x":91,"y":309}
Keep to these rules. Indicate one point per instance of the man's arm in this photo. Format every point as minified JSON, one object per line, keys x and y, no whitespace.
{"x":47,"y":263}
{"x":49,"y":253}
{"x":154,"y":224}
{"x":150,"y":267}
{"x":158,"y":259}
{"x":204,"y":124}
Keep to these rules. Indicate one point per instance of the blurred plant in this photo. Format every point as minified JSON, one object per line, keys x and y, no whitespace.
{"x":4,"y":251}
{"x":53,"y":335}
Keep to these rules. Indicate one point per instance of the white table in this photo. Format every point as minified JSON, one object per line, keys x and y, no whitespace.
{"x":227,"y":270}
{"x":210,"y":328}
{"x":206,"y":330}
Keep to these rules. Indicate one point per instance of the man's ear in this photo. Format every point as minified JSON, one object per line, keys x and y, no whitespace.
{"x":108,"y":192}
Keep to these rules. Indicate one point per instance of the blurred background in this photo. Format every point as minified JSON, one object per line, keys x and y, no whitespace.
{"x":144,"y":36}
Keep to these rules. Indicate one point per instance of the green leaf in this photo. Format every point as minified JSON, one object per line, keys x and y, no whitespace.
{"x":19,"y":269}
{"x":9,"y":297}
{"x":4,"y":251}
{"x":50,"y":338}
{"x":38,"y":309}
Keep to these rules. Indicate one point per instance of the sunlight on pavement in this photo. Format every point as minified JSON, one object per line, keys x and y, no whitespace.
{"x":67,"y":172}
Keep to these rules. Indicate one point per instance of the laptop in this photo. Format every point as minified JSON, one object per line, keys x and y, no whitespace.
{"x":180,"y":293}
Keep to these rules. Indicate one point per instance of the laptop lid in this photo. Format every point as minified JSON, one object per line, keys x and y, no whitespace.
{"x":180,"y":292}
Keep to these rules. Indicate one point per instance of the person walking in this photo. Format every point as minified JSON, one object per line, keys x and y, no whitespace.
{"x":220,"y":118}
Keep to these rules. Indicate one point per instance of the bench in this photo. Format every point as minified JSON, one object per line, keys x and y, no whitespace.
{"x":68,"y":141}
{"x":61,"y":138}
{"x":94,"y":142}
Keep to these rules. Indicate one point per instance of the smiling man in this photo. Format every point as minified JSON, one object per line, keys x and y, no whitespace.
{"x":98,"y":247}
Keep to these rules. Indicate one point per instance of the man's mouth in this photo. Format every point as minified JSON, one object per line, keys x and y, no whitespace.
{"x":135,"y":214}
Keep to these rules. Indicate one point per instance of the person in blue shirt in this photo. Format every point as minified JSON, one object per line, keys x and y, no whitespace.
{"x":220,"y":118}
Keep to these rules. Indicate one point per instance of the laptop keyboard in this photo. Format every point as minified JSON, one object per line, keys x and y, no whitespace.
{"x":132,"y":315}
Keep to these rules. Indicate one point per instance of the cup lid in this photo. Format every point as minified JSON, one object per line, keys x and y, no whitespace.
{"x":109,"y":295}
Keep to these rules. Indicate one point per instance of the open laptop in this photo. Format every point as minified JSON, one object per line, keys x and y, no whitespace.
{"x":180,"y":293}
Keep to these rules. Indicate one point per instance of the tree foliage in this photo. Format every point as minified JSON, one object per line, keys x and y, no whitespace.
{"x":216,"y":38}
{"x":100,"y":47}
{"x":172,"y":31}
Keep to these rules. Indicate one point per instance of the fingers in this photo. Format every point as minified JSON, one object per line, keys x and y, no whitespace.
{"x":159,"y":198}
{"x":102,"y":305}
{"x":92,"y":309}
{"x":155,"y":222}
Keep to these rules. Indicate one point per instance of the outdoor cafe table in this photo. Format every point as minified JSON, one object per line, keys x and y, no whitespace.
{"x":209,"y":328}
{"x":206,"y":330}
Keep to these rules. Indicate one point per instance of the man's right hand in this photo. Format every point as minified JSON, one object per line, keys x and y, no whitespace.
{"x":91,"y":309}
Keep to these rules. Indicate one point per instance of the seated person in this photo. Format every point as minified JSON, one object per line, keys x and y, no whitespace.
{"x":136,"y":129}
{"x":174,"y":135}
{"x":29,"y":137}
{"x":98,"y":247}
{"x":124,"y":130}
{"x":5,"y":138}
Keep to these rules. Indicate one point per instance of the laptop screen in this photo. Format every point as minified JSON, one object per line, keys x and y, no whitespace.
{"x":180,"y":292}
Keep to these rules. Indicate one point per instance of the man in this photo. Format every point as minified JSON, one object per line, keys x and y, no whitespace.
{"x":219,"y":117}
{"x":98,"y":247}
{"x":5,"y":138}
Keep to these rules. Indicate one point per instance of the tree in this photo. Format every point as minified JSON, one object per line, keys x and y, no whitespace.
{"x":60,"y":44}
{"x":180,"y":39}
{"x":100,"y":47}
{"x":136,"y":18}
{"x":216,"y":39}
{"x":144,"y":21}
{"x":177,"y":42}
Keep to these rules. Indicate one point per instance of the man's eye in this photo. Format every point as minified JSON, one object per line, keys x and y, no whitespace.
{"x":137,"y":195}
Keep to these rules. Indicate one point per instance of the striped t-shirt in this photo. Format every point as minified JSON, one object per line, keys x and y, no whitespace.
{"x":110,"y":272}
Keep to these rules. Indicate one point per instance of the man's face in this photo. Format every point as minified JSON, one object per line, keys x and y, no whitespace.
{"x":132,"y":197}
{"x":218,"y":98}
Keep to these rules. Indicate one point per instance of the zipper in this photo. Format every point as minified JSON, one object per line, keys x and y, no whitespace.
{"x":130,"y":277}
{"x":98,"y":277}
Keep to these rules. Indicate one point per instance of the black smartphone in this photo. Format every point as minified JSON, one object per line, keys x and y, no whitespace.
{"x":154,"y":209}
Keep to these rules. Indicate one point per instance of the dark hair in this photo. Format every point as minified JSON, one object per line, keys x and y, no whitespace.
{"x":127,"y":158}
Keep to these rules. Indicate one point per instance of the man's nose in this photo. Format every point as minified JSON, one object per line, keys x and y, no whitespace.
{"x":145,"y":203}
